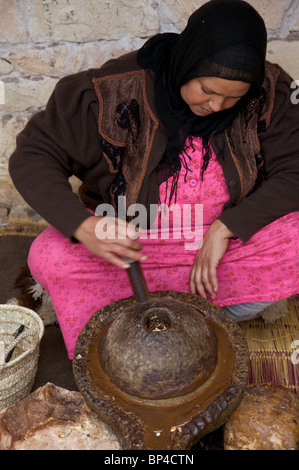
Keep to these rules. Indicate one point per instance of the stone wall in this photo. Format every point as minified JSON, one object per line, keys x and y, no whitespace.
{"x":44,"y":40}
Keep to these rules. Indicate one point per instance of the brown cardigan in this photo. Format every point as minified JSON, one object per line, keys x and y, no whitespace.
{"x":102,"y":126}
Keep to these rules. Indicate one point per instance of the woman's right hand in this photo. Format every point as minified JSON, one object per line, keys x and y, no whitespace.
{"x":117,"y":241}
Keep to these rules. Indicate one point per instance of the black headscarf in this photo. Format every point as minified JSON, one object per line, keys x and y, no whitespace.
{"x":223,"y":38}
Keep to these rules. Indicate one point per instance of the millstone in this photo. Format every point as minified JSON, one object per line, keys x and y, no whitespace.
{"x":164,"y":373}
{"x":162,"y":348}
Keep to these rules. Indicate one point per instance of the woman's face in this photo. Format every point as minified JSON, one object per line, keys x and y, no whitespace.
{"x":207,"y":95}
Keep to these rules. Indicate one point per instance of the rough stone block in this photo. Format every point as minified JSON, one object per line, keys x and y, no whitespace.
{"x":175,"y":13}
{"x":12,"y":25}
{"x":5,"y":67}
{"x":21,"y":94}
{"x":266,"y":419}
{"x":53,"y":418}
{"x":66,"y":59}
{"x":271,"y":10}
{"x":286,"y":54}
{"x":10,"y":126}
{"x":74,"y":20}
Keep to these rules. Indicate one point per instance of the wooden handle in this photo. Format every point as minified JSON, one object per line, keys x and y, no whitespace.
{"x":137,"y":280}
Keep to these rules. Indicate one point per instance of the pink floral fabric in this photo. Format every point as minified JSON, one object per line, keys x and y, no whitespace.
{"x":264,"y":269}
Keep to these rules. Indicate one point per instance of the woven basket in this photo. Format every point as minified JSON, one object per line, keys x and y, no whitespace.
{"x":18,"y":374}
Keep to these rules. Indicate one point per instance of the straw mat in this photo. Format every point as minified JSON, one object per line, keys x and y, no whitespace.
{"x":274,"y":349}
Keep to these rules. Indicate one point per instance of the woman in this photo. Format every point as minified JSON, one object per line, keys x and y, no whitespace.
{"x":195,"y":118}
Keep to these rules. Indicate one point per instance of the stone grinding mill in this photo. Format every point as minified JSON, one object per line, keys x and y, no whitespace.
{"x":161,"y":369}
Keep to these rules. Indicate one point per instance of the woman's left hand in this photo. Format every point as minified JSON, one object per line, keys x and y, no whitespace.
{"x":203,"y":276}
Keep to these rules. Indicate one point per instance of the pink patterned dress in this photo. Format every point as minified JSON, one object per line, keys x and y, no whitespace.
{"x":264,"y":269}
